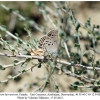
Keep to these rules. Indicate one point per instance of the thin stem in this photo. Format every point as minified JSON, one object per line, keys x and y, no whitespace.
{"x":66,"y":48}
{"x":47,"y":80}
{"x":51,"y":21}
{"x":31,"y":22}
{"x":37,"y":90}
{"x":58,"y":61}
{"x":13,"y":77}
{"x":1,"y":28}
{"x":94,"y":50}
{"x":7,"y":66}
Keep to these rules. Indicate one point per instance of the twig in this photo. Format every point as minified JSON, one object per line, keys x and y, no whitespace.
{"x":83,"y":26}
{"x":51,"y":11}
{"x":87,"y":80}
{"x":37,"y":90}
{"x":13,"y":77}
{"x":51,"y":21}
{"x":51,"y":76}
{"x":32,"y":23}
{"x":94,"y":50}
{"x":45,"y":84}
{"x":58,"y":61}
{"x":66,"y":48}
{"x":1,"y":28}
{"x":74,"y":23}
{"x":7,"y":66}
{"x":87,"y":86}
{"x":56,"y":6}
{"x":23,"y":56}
{"x":9,"y":33}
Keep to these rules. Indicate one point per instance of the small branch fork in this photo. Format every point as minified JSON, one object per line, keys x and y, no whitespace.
{"x":42,"y":58}
{"x":81,"y":78}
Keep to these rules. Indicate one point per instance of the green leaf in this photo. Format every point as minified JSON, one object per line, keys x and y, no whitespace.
{"x":62,"y":34}
{"x":19,"y":90}
{"x":7,"y":42}
{"x":96,"y":89}
{"x":74,"y":87}
{"x":62,"y":20}
{"x":39,"y":66}
{"x":77,"y":25}
{"x":97,"y":26}
{"x":14,"y":67}
{"x":62,"y":2}
{"x":32,"y":63}
{"x":70,"y":19}
{"x":28,"y":59}
{"x":98,"y":38}
{"x":20,"y":41}
{"x":19,"y":71}
{"x":15,"y":78}
{"x":3,"y":28}
{"x":85,"y":54}
{"x":95,"y":84}
{"x":39,"y":60}
{"x":9,"y":76}
{"x":16,"y":61}
{"x":56,"y":87}
{"x":69,"y":68}
{"x":23,"y":71}
{"x":13,"y":50}
{"x":77,"y":45}
{"x":47,"y":82}
{"x":10,"y":10}
{"x":98,"y":82}
{"x":79,"y":72}
{"x":73,"y":12}
{"x":38,"y":3}
{"x":76,"y":83}
{"x":17,"y":34}
{"x":24,"y":64}
{"x":88,"y":23}
{"x":90,"y":59}
{"x":5,"y":48}
{"x":1,"y":67}
{"x":98,"y":62}
{"x":81,"y":83}
{"x":84,"y":72}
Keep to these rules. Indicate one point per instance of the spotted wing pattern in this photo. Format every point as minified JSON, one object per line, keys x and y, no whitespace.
{"x":49,"y":42}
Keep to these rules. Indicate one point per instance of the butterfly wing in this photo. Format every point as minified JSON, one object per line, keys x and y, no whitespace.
{"x":53,"y":34}
{"x":47,"y":44}
{"x":41,"y":42}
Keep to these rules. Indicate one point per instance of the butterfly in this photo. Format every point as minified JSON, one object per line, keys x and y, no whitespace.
{"x":49,"y":42}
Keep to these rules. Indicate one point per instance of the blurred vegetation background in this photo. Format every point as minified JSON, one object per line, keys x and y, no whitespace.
{"x":32,"y":80}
